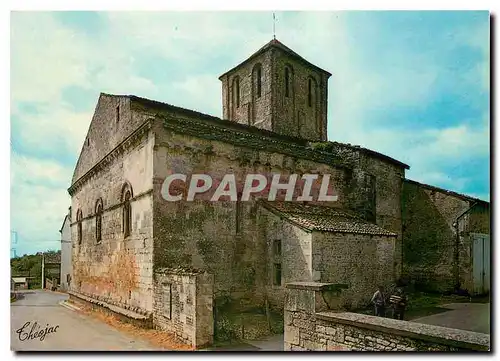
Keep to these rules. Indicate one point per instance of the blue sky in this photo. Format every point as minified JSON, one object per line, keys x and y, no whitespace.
{"x":412,"y":85}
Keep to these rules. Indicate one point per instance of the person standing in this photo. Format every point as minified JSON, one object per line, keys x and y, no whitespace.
{"x":398,"y":301}
{"x":378,"y":301}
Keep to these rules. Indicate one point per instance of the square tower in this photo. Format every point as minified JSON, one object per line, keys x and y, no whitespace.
{"x":278,"y":90}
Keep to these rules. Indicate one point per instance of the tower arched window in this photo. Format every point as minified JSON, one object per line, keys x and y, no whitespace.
{"x":288,"y":81}
{"x":127,"y":210}
{"x":257,"y":80}
{"x":311,"y":91}
{"x":98,"y":221}
{"x":79,"y":218}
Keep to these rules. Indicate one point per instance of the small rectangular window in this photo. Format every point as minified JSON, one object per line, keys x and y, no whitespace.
{"x":277,"y":274}
{"x":117,"y":113}
{"x":277,"y":248}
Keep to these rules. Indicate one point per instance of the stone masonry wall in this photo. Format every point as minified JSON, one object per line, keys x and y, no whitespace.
{"x":295,"y":259}
{"x":273,"y":110}
{"x":374,"y":190}
{"x":252,"y":110}
{"x":183,"y":302}
{"x":389,"y":187}
{"x":361,"y":261}
{"x":118,"y":269}
{"x":112,"y":123}
{"x":312,"y":324}
{"x":429,"y":238}
{"x":206,"y":235}
{"x":292,"y":114}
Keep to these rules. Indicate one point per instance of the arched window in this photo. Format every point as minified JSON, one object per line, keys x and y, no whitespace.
{"x":311,"y":91}
{"x":288,"y":81}
{"x":257,"y":80}
{"x":79,"y":218}
{"x":98,"y":221}
{"x":127,"y":210}
{"x":236,"y":92}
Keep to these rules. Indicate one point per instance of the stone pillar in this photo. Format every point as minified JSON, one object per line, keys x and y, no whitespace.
{"x":302,"y":301}
{"x":204,"y":310}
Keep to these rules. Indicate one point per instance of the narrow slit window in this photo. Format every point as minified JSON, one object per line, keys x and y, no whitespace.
{"x":277,"y":274}
{"x":287,"y":82}
{"x":79,"y":226}
{"x":277,"y":248}
{"x":238,"y":213}
{"x":98,"y":224}
{"x":117,"y":113}
{"x":259,"y":82}
{"x":309,"y":93}
{"x":127,"y":214}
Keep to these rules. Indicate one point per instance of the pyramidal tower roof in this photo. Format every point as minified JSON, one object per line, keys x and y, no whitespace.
{"x":275,"y":43}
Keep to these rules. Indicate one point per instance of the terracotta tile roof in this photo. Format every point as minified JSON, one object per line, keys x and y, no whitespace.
{"x":250,"y":139}
{"x":327,"y":149}
{"x":315,"y":217}
{"x":445,"y":191}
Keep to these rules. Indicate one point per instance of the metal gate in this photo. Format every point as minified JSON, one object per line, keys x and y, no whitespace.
{"x":481,"y":263}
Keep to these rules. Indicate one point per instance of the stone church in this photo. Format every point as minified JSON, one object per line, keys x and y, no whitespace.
{"x":183,"y":266}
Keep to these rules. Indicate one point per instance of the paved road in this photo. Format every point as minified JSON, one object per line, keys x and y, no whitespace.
{"x":75,"y":332}
{"x":268,"y":343}
{"x":464,"y":316}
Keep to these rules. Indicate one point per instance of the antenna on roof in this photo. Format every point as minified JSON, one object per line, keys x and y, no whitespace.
{"x":274,"y":26}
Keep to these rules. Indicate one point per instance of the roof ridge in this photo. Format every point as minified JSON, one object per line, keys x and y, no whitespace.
{"x":447,"y":191}
{"x":277,"y":44}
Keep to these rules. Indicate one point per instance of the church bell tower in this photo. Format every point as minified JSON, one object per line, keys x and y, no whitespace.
{"x":278,"y":90}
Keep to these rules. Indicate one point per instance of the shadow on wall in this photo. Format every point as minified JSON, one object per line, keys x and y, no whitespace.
{"x":428,"y":243}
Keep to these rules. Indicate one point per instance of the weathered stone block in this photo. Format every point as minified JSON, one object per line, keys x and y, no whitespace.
{"x":292,"y":335}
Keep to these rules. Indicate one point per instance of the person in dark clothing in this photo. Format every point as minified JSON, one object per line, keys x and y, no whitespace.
{"x":378,"y":301}
{"x":398,"y":302}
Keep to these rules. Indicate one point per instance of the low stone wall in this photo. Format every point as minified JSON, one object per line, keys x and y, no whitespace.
{"x":311,"y":325}
{"x":183,"y":305}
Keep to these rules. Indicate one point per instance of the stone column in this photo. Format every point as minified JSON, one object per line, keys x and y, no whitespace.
{"x":302,"y":301}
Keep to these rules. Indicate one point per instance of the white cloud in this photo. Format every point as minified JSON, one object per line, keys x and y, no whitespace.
{"x":47,"y":57}
{"x":52,"y":128}
{"x":38,"y":209}
{"x":200,"y":93}
{"x":32,"y":171}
